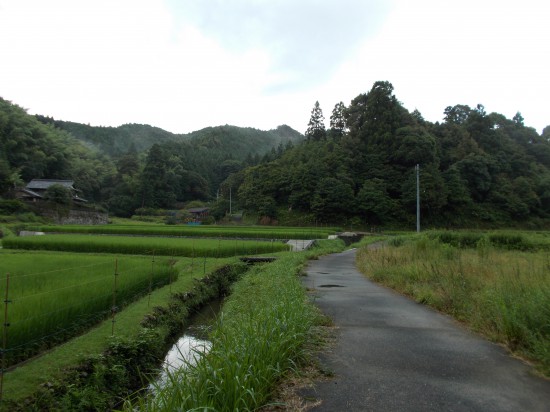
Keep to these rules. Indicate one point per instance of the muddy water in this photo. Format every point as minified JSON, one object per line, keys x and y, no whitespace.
{"x":191,"y":345}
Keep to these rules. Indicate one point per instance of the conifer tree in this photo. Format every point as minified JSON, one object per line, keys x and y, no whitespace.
{"x":316,"y":126}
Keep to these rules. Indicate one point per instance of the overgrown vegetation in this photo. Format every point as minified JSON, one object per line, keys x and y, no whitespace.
{"x":486,"y":280}
{"x":255,"y":342}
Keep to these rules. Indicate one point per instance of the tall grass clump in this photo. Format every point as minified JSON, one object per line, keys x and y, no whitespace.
{"x":504,"y":294}
{"x":260,"y":336}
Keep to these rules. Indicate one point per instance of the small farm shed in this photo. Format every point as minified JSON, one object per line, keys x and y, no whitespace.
{"x":199,"y":213}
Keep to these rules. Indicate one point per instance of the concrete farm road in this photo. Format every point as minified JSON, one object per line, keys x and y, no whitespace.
{"x":392,"y":354}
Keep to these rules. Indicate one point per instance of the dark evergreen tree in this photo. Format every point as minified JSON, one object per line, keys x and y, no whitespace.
{"x":316,"y":126}
{"x":337,"y":121}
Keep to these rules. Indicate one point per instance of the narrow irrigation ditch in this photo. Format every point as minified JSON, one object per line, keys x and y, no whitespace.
{"x":102,"y":382}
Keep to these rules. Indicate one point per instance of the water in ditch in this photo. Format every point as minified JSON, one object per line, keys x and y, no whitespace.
{"x":191,"y":345}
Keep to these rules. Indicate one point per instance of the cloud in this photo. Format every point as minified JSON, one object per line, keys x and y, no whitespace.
{"x":306,"y":40}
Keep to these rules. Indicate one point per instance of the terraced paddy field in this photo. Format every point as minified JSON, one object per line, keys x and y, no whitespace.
{"x":249,"y":232}
{"x":149,"y":245}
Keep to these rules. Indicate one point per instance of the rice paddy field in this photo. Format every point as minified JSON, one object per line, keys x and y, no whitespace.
{"x":58,"y":285}
{"x":246,"y":232}
{"x":54,"y":296}
{"x":149,"y":245}
{"x":63,"y":289}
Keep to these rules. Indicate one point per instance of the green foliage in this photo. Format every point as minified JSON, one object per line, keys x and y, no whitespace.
{"x":143,"y":246}
{"x":238,"y":232}
{"x":254,"y":343}
{"x":476,"y":168}
{"x":30,"y":149}
{"x":11,"y":206}
{"x":333,"y":199}
{"x":57,"y":297}
{"x":59,"y":195}
{"x":500,"y":292}
{"x":100,"y":381}
{"x":316,"y":126}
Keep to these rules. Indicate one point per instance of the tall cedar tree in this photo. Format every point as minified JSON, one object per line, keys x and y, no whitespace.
{"x":337,"y":121}
{"x":316,"y":126}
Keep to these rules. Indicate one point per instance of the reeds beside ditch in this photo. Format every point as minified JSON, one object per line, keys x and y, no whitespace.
{"x":500,"y":292}
{"x":260,"y":336}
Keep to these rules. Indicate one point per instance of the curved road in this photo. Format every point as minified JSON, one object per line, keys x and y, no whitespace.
{"x":393,"y":354}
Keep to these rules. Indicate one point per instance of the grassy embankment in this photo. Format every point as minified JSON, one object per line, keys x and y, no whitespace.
{"x":497,"y":282}
{"x":260,"y":336}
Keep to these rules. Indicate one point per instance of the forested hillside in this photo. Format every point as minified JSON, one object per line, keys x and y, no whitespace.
{"x":113,"y":141}
{"x":475,"y":168}
{"x":30,"y":149}
{"x":132,"y":166}
{"x":236,"y":142}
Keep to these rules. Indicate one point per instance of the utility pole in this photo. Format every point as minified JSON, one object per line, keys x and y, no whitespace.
{"x":230,"y":201}
{"x":417,"y":168}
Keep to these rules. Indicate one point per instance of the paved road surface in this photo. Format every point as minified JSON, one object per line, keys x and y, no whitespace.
{"x":393,"y":354}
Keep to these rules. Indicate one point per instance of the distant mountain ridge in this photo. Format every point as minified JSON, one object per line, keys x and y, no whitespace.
{"x":116,"y":141}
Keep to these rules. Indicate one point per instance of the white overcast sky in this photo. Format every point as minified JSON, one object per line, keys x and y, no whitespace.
{"x":183,"y":65}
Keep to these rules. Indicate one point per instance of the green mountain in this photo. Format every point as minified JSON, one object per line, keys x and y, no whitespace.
{"x":236,"y":141}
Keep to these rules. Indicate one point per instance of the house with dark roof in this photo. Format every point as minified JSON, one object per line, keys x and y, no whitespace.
{"x":36,"y":188}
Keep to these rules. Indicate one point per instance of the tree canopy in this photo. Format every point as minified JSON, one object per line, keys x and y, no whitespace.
{"x":476,"y":168}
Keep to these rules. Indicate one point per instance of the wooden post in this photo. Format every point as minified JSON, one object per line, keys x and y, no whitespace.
{"x":151,"y":279}
{"x":114,"y":308}
{"x":5,"y":335}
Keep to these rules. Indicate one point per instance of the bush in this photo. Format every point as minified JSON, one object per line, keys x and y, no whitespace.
{"x":12,"y":206}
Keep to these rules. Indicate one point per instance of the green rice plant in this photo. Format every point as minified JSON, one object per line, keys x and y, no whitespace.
{"x":244,"y":232}
{"x":144,"y":245}
{"x":54,"y":297}
{"x":503,"y":294}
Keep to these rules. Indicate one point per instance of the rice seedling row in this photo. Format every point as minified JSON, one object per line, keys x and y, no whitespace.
{"x":144,"y":245}
{"x":197,"y":231}
{"x":56,"y":296}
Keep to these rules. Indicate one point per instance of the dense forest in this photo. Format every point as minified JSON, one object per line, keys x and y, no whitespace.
{"x":132,"y":166}
{"x":476,"y":168}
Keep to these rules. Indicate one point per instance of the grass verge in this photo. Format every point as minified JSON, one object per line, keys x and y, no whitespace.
{"x":260,"y":337}
{"x":501,"y":293}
